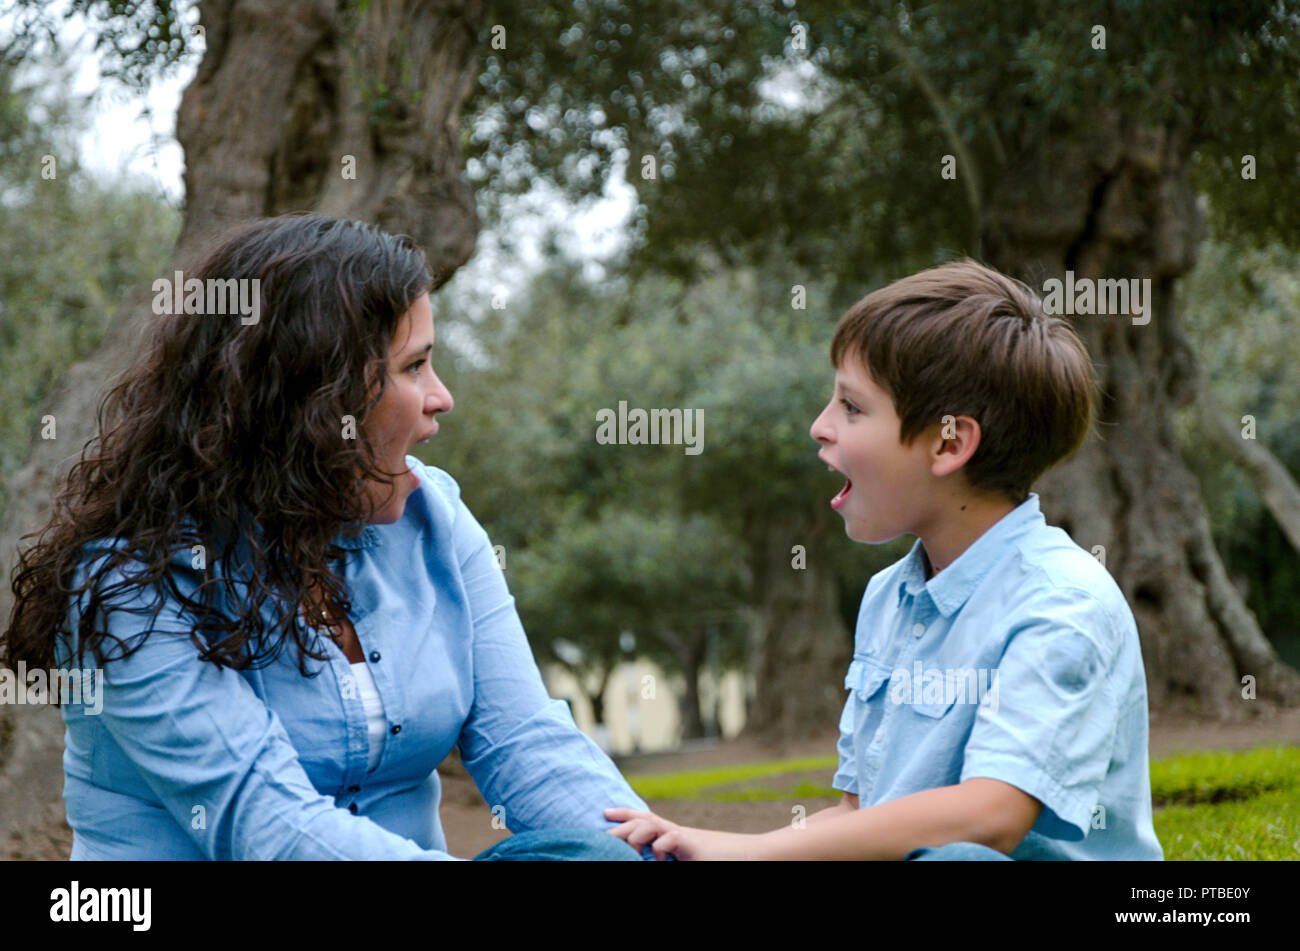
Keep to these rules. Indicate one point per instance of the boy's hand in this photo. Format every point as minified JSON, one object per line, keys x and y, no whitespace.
{"x":684,"y":843}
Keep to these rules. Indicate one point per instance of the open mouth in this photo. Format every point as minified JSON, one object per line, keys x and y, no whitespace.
{"x":838,"y":501}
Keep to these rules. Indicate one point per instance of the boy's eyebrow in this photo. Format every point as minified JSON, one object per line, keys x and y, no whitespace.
{"x":845,"y":390}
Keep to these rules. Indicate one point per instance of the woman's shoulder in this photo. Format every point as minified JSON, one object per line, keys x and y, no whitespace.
{"x":440,"y":490}
{"x":439,"y":479}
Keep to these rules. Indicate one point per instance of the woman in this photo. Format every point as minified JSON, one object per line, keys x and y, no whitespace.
{"x":326,"y":619}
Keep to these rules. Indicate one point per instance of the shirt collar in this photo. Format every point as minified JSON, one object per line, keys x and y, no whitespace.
{"x":348,"y":538}
{"x":952,"y":586}
{"x":368,"y":537}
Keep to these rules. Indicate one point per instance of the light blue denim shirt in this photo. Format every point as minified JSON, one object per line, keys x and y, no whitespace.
{"x":1020,"y":662}
{"x":190,"y":761}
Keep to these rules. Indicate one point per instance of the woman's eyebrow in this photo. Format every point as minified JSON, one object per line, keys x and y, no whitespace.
{"x":425,"y":350}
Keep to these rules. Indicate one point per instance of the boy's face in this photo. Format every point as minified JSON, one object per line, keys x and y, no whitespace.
{"x":886,"y":494}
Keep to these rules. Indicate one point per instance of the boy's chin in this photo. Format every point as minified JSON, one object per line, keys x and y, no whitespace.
{"x":866,"y":535}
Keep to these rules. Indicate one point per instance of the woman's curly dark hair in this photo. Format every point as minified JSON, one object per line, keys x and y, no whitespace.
{"x":224,"y":430}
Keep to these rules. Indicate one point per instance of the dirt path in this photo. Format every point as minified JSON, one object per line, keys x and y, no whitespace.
{"x":468,"y":823}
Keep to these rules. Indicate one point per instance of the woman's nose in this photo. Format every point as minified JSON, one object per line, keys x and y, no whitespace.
{"x":443,"y":400}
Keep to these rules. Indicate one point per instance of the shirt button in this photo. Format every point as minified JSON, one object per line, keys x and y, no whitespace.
{"x":374,"y":656}
{"x":918,"y":629}
{"x":352,"y":808}
{"x":397,"y":728}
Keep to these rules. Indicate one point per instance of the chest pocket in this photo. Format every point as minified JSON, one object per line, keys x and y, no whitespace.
{"x":865,"y":678}
{"x":933,"y":710}
{"x":940,"y":686}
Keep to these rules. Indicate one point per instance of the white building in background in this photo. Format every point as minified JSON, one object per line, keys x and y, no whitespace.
{"x":642,"y":706}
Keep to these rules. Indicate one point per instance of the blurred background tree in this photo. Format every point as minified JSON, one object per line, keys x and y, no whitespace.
{"x":71,"y":247}
{"x":348,"y":109}
{"x":839,"y":145}
{"x":796,"y":162}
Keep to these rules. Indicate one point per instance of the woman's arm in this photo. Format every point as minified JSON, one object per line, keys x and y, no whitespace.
{"x":521,"y":746}
{"x":216,"y":756}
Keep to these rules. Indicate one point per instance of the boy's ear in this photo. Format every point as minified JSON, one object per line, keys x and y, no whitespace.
{"x":955,"y":440}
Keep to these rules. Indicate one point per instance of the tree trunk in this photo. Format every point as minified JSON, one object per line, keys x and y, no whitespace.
{"x":290,"y":97}
{"x":688,"y":650}
{"x":692,"y":723}
{"x":1114,"y":201}
{"x":803,"y":646}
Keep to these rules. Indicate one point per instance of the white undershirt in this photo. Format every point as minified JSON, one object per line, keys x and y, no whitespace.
{"x":376,"y":722}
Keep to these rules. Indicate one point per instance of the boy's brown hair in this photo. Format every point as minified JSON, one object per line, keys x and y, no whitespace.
{"x":963,"y":339}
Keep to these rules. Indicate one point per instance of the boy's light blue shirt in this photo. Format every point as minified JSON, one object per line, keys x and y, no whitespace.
{"x":1020,"y":662}
{"x":186,"y":760}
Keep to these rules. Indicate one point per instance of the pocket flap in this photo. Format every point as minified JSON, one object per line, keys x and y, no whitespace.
{"x":865,"y":677}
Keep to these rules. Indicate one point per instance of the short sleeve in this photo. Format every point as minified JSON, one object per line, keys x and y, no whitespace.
{"x":522,"y":747}
{"x":846,"y":774}
{"x":218,"y":759}
{"x":1049,"y":727}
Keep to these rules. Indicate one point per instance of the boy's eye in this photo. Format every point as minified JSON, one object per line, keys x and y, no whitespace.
{"x":849,"y":407}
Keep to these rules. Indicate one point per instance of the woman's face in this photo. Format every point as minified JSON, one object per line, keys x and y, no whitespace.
{"x":405,"y":413}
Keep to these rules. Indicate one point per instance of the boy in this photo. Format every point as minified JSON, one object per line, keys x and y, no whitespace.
{"x":998,"y":702}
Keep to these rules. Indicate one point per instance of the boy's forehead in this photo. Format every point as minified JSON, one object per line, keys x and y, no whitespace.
{"x":849,"y":376}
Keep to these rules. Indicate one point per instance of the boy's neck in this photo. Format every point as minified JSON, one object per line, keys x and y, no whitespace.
{"x":958,"y":525}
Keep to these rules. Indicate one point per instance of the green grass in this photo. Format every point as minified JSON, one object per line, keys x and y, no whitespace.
{"x":1194,"y":778}
{"x":697,"y":783}
{"x":1208,"y":806}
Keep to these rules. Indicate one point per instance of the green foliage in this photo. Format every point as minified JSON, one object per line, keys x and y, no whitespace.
{"x":144,"y":39}
{"x":816,"y":162}
{"x":838,"y":177}
{"x":628,"y":571}
{"x":602,"y":539}
{"x":1240,"y":308}
{"x":71,"y":249}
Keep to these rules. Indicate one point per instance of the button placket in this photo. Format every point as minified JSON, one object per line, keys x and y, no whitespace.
{"x":354,"y":717}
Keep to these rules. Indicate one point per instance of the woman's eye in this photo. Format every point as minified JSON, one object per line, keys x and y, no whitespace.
{"x":416,"y":365}
{"x":849,"y":407}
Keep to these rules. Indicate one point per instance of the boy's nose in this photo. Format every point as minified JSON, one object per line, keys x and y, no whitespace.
{"x":820,"y":430}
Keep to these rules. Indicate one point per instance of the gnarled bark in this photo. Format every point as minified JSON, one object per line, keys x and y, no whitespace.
{"x":1114,"y":201}
{"x":286,"y":89}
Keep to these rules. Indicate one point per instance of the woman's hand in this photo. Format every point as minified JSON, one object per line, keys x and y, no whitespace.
{"x":682,"y":842}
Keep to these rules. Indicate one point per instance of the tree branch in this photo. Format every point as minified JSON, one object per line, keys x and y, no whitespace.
{"x":969,"y":174}
{"x":1277,"y":489}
